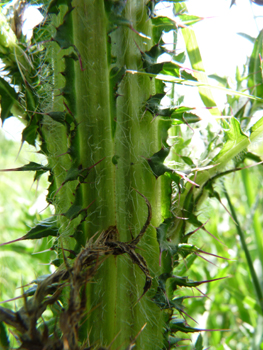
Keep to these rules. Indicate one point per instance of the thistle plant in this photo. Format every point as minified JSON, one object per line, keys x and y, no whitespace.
{"x":89,"y":88}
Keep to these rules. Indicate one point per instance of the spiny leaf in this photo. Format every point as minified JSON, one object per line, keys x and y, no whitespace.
{"x":178,"y":115}
{"x":176,"y":70}
{"x":31,"y":166}
{"x":116,"y":76}
{"x":173,"y":340}
{"x":150,"y":57}
{"x":76,"y":209}
{"x":186,"y":248}
{"x":31,"y":98}
{"x":234,"y":137}
{"x":186,"y":282}
{"x":61,"y":117}
{"x":30,"y":132}
{"x":162,"y":24}
{"x":8,"y":98}
{"x":113,"y":6}
{"x":45,"y":228}
{"x":178,"y":325}
{"x":62,"y":37}
{"x":153,"y":103}
{"x":116,"y":20}
{"x":181,"y":57}
{"x":54,"y":6}
{"x":162,"y":233}
{"x":68,"y":90}
{"x":77,"y":173}
{"x":4,"y":340}
{"x":156,"y":162}
{"x":51,"y":189}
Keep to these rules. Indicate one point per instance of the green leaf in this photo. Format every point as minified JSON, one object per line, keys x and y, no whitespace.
{"x":31,"y":99}
{"x":54,"y":6}
{"x":186,"y":282}
{"x":76,"y":209}
{"x":45,"y":228}
{"x":188,"y":161}
{"x":30,"y":132}
{"x":57,"y":262}
{"x":59,"y":117}
{"x":153,"y":103}
{"x":4,"y":340}
{"x":174,"y":340}
{"x":234,"y":138}
{"x":199,"y":343}
{"x":178,"y":325}
{"x":189,"y":19}
{"x":257,"y":129}
{"x":156,"y":162}
{"x":176,"y":70}
{"x":8,"y":98}
{"x":161,"y":232}
{"x":162,"y":24}
{"x":73,"y":212}
{"x":248,"y":37}
{"x":116,"y":75}
{"x":221,"y":80}
{"x":255,"y":83}
{"x":61,"y":37}
{"x":179,"y":115}
{"x":181,"y":57}
{"x":183,"y":115}
{"x":197,"y":64}
{"x":31,"y":166}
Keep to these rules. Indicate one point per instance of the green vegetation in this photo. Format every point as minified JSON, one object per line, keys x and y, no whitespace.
{"x":130,"y":192}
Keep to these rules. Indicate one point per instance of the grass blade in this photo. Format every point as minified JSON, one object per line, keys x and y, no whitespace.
{"x":246,"y":251}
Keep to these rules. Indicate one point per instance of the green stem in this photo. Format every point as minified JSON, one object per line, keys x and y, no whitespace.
{"x":119,"y":282}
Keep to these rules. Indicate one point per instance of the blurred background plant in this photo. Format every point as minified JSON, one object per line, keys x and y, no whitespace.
{"x":22,"y":205}
{"x":234,"y":303}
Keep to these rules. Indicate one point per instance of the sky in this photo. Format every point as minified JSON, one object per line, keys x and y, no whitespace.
{"x":222,"y":49}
